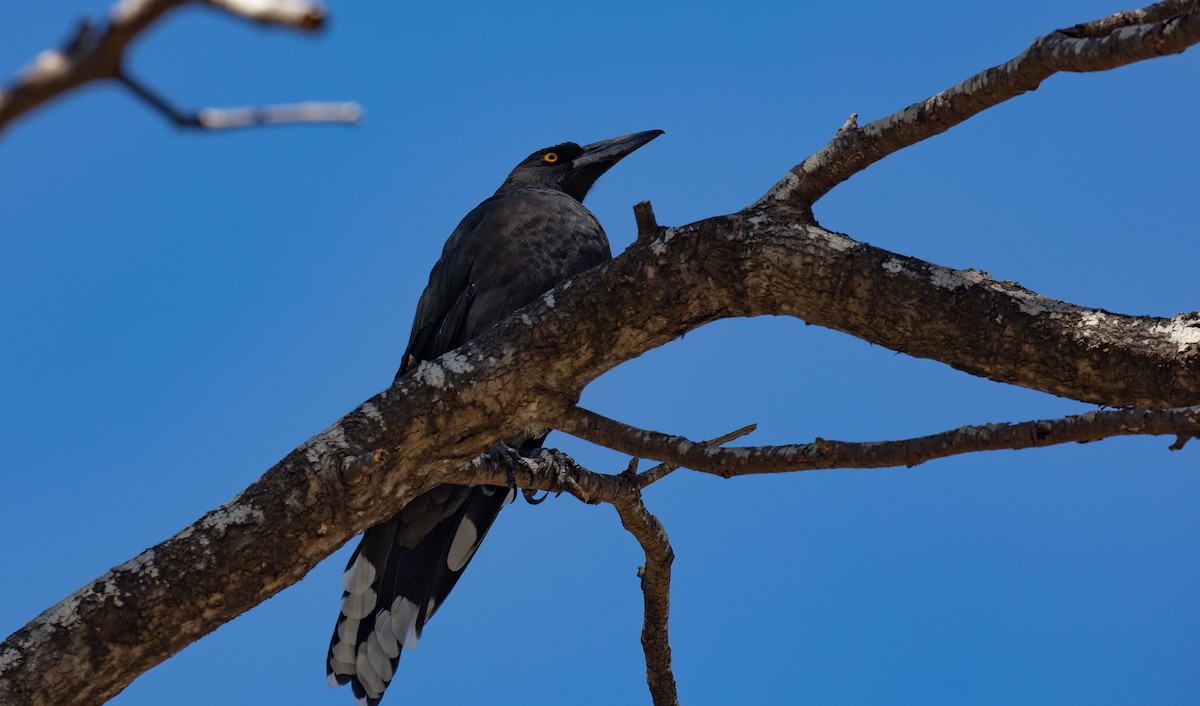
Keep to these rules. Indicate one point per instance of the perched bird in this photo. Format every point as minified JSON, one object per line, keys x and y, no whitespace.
{"x":532,"y":234}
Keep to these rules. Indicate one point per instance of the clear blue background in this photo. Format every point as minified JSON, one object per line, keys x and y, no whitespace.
{"x":180,"y":310}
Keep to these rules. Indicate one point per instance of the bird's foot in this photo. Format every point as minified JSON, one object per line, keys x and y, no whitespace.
{"x":565,"y":470}
{"x":507,"y":458}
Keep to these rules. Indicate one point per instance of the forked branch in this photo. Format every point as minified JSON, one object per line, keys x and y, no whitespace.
{"x":88,"y":647}
{"x":1180,"y":422}
{"x":227,"y":118}
{"x":1124,"y":38}
{"x":97,"y":53}
{"x":624,"y":492}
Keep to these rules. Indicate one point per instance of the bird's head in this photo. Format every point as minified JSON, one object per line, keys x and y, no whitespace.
{"x":571,"y":168}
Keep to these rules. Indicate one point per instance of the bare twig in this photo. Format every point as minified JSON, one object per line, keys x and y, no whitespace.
{"x":98,"y":53}
{"x":623,"y":492}
{"x":356,"y":468}
{"x":848,"y":128}
{"x":542,"y":473}
{"x":1165,"y":28}
{"x":657,"y":473}
{"x":656,"y":593}
{"x":226,"y":118}
{"x":822,"y":453}
{"x":647,"y":226}
{"x":298,"y":14}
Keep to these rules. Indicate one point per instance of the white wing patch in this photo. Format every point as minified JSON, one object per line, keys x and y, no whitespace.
{"x":343,"y":653}
{"x":366,"y":674}
{"x":371,"y":663}
{"x":347,"y":631}
{"x":380,"y":661}
{"x":358,"y":605}
{"x":466,"y":538}
{"x":387,"y":639}
{"x":404,"y":622}
{"x":359,"y":576}
{"x":341,"y":659}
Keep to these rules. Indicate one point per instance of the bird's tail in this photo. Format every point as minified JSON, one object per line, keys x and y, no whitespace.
{"x":397,"y":578}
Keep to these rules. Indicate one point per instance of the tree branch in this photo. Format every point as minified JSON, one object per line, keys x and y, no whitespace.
{"x":226,"y":118}
{"x":1181,"y":422}
{"x":656,"y":594}
{"x":98,"y":53}
{"x":298,"y":14}
{"x":1165,"y":28}
{"x":624,"y":493}
{"x":542,"y":473}
{"x":661,"y":471}
{"x":447,"y":411}
{"x":647,"y":225}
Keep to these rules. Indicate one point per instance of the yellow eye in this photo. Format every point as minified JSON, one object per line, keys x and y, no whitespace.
{"x":550,"y":157}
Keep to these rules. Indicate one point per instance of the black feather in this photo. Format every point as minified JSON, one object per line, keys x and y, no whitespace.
{"x":531,"y":235}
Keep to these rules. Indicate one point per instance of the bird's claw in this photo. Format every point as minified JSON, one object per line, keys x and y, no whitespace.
{"x":561,"y":465}
{"x":531,"y":496}
{"x":564,"y":468}
{"x":506,"y":457}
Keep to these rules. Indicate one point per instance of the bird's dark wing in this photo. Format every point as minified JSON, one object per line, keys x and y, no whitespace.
{"x":508,"y":251}
{"x":442,"y":309}
{"x":504,"y":254}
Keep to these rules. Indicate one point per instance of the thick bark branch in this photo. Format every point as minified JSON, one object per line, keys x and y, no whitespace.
{"x":446,"y":411}
{"x":1182,"y":423}
{"x":1166,"y":28}
{"x":97,"y":53}
{"x":87,"y":648}
{"x":531,"y":368}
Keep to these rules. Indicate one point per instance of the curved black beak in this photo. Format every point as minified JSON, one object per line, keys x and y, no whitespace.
{"x":599,"y":157}
{"x":606,"y":153}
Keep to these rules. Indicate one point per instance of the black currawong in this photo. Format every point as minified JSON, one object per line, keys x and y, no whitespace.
{"x":532,"y":234}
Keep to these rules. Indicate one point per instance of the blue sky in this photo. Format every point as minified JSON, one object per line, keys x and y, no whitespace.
{"x":180,"y":310}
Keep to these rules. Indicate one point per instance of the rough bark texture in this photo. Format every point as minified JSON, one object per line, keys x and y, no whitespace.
{"x":530,"y":369}
{"x":1165,"y":28}
{"x":450,"y":410}
{"x":656,"y":594}
{"x":624,"y":493}
{"x":1182,"y":423}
